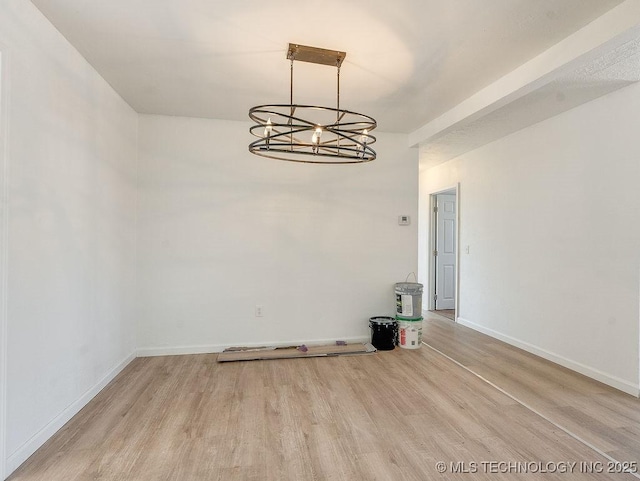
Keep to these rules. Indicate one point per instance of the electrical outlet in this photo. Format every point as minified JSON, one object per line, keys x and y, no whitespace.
{"x":259,"y":311}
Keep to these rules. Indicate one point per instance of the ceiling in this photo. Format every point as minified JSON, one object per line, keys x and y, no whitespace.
{"x":588,"y":77}
{"x":408,"y":61}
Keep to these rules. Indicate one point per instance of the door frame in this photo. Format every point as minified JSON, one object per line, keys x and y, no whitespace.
{"x":431,"y":262}
{"x":4,"y":249}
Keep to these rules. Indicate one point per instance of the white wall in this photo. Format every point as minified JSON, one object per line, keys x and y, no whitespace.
{"x":71,"y":251}
{"x":222,"y":230}
{"x":552,"y":218}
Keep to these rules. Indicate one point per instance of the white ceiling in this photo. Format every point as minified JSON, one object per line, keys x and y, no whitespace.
{"x":408,"y":61}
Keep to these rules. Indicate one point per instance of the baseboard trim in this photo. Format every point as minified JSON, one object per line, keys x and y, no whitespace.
{"x":214,"y":348}
{"x":31,"y":446}
{"x":596,"y":374}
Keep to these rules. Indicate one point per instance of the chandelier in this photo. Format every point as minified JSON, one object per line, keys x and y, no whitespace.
{"x":309,"y":133}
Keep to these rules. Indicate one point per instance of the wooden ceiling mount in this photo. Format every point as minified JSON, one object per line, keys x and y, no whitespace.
{"x":322,"y":56}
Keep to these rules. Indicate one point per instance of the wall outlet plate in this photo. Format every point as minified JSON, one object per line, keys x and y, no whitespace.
{"x":404,"y":220}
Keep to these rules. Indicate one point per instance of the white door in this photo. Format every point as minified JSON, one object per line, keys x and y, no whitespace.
{"x":445,"y":251}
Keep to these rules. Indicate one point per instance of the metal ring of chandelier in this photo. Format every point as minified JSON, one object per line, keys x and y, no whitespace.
{"x":282,"y":129}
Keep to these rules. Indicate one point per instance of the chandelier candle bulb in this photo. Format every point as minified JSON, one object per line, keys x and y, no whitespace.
{"x":363,"y":139}
{"x":316,"y":139}
{"x":267,"y":132}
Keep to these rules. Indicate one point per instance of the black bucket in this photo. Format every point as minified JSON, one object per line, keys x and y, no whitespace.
{"x":384,"y":332}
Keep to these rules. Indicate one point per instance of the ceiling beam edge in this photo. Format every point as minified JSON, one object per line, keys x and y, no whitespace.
{"x":612,"y":29}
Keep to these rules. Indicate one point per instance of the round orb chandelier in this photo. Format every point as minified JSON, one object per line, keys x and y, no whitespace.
{"x":309,"y":133}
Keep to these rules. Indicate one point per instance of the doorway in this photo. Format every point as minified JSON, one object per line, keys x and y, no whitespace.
{"x":443,"y":289}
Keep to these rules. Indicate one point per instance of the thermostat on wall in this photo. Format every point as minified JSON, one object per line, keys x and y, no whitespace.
{"x":404,"y":220}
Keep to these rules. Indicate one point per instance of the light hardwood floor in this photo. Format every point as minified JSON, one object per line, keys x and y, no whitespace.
{"x":448,"y":313}
{"x":388,"y":416}
{"x":598,"y":414}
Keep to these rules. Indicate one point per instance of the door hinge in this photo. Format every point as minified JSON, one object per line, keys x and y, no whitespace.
{"x":435,"y":253}
{"x":435,"y":209}
{"x":435,"y":298}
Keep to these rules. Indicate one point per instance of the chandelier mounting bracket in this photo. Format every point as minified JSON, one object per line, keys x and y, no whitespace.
{"x":322,"y":56}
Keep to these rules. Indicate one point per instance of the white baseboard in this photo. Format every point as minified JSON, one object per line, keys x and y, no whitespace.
{"x":28,"y":448}
{"x":213,"y":348}
{"x":603,"y":377}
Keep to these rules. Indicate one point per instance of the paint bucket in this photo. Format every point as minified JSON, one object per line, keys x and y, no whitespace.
{"x":409,"y":300}
{"x":409,"y":333}
{"x":384,"y":332}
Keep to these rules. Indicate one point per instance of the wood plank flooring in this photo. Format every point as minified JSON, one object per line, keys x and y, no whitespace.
{"x":597,"y":413}
{"x":448,"y":313}
{"x":388,"y":416}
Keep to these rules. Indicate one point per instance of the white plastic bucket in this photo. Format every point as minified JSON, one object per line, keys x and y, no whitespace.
{"x":410,"y":333}
{"x":409,"y":300}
